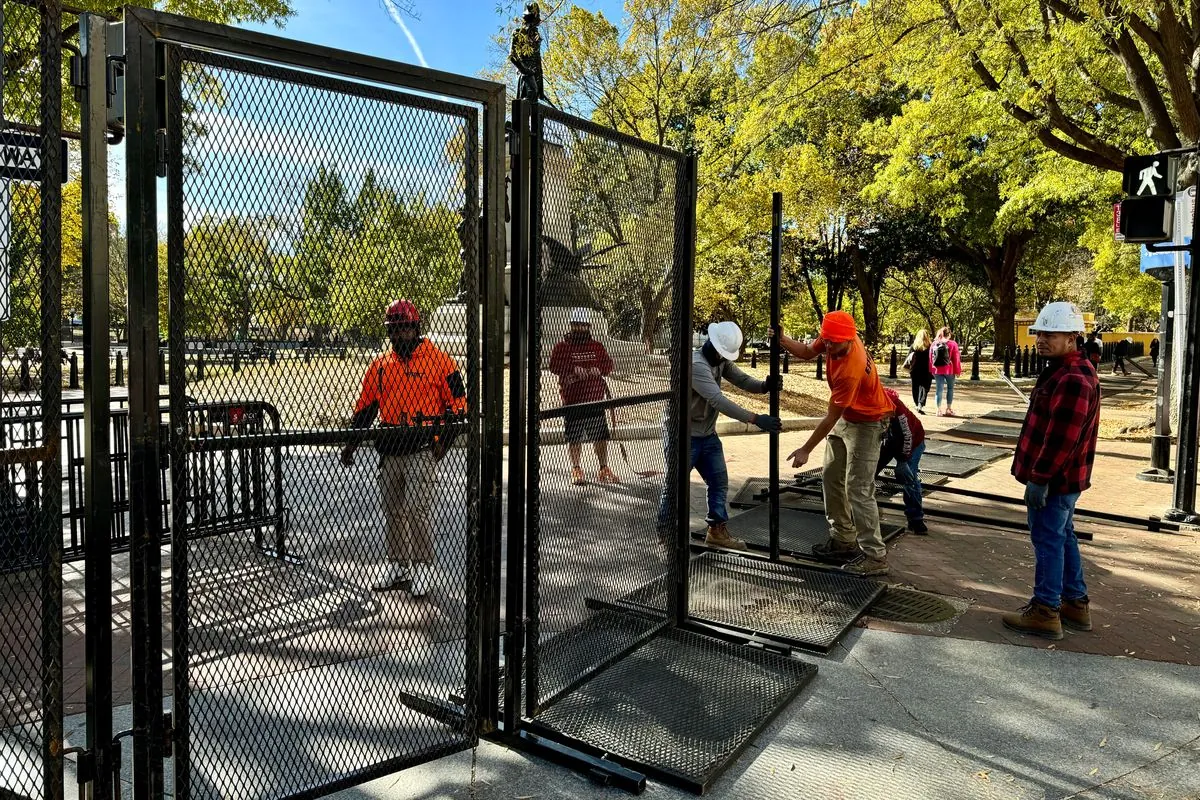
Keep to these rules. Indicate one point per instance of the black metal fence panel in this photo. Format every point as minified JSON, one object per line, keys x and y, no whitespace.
{"x":31,"y":672}
{"x":337,"y":637}
{"x":607,"y":253}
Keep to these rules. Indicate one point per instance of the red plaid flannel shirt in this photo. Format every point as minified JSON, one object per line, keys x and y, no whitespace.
{"x":1058,"y":440}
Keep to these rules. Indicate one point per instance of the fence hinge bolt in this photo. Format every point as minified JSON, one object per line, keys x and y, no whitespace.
{"x":160,"y":153}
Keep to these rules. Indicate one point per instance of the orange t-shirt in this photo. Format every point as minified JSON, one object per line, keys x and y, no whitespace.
{"x":855,"y":386}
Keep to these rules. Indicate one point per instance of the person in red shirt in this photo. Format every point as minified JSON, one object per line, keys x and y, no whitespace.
{"x":417,"y":392}
{"x":854,"y":424}
{"x":1054,"y":457}
{"x":581,"y":364}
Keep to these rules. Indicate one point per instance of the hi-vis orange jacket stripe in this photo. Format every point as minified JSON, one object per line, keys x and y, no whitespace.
{"x":427,"y":383}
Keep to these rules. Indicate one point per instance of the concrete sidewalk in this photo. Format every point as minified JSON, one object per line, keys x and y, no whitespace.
{"x":894,"y":715}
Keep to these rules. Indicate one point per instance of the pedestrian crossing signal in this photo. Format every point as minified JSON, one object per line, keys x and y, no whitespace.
{"x":1147,"y":219}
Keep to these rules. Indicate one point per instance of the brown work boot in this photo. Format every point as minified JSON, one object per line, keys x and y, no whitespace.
{"x":718,"y":536}
{"x":1035,"y":619}
{"x":577,"y":476}
{"x":835,"y":548}
{"x":867,"y":568}
{"x":607,"y":476}
{"x":1075,"y":614}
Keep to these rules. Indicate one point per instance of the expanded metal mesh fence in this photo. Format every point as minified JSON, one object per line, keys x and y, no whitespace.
{"x":607,"y":251}
{"x":31,"y":671}
{"x":326,"y":482}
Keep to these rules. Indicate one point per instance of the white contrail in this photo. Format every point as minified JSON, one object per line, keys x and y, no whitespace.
{"x":394,"y":13}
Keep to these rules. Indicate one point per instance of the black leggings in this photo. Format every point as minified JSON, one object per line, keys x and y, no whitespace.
{"x":920,"y":392}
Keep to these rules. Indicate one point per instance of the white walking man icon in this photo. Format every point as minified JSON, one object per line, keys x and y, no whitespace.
{"x":1147,"y":177}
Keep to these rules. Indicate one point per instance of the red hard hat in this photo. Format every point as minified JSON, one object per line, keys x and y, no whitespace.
{"x":401,"y":311}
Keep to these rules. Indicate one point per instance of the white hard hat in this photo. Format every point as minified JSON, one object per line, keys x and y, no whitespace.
{"x":1058,"y":318}
{"x":581,"y":315}
{"x":726,"y":338}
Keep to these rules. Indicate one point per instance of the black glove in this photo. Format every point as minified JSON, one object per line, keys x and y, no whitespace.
{"x":768,"y":423}
{"x":772,"y":382}
{"x":1035,"y":496}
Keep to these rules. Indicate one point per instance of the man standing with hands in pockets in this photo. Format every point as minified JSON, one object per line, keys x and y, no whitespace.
{"x":854,"y":424}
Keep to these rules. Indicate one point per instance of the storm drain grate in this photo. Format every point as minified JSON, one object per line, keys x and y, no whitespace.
{"x":910,"y":605}
{"x":680,"y":708}
{"x":799,"y":529}
{"x":800,"y":606}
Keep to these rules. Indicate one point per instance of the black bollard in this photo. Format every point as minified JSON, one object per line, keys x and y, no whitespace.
{"x":74,"y":370}
{"x":271,"y":357}
{"x":892,"y":364}
{"x":1008,"y":362}
{"x":1028,"y":363}
{"x":787,"y":361}
{"x":975,"y":363}
{"x":1022,"y":362}
{"x":120,"y":381}
{"x":200,"y":366}
{"x":26,"y":383}
{"x":162,"y":368}
{"x":237,"y":362}
{"x":754,"y":360}
{"x":820,"y":367}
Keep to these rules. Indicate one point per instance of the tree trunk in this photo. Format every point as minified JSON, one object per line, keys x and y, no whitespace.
{"x":868,"y":291}
{"x":1001,"y":267}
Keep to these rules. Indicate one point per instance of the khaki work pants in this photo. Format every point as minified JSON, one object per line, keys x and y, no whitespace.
{"x":407,"y":486}
{"x":848,"y":478}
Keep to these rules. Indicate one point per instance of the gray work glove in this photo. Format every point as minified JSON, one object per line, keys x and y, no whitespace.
{"x":766,"y":422}
{"x":1035,"y":496}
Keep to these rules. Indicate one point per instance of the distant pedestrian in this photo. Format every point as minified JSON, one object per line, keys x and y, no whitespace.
{"x":920,"y":372}
{"x":1054,"y":457}
{"x":581,"y":362}
{"x":1094,"y":350}
{"x":946,"y":364}
{"x":1120,"y":352}
{"x":1154,"y":352}
{"x":904,"y":443}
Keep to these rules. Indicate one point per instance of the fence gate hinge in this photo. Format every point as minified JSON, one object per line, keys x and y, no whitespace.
{"x":160,"y":153}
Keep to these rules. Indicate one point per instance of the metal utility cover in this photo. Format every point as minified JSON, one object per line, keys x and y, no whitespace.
{"x":798,"y":530}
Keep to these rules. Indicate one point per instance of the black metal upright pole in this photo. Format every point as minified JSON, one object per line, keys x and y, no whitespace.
{"x":143,"y":124}
{"x":97,"y":479}
{"x":681,"y":470}
{"x":1160,"y":444}
{"x":776,"y":270}
{"x":518,"y":321}
{"x":534,"y":191}
{"x":1189,"y":400}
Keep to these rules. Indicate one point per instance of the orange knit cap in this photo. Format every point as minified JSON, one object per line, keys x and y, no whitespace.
{"x":838,"y":326}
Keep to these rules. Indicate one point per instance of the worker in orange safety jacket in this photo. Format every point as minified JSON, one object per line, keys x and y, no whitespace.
{"x":414,"y":389}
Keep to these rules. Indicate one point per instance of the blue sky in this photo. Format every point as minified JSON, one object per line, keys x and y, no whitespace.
{"x":453,"y":35}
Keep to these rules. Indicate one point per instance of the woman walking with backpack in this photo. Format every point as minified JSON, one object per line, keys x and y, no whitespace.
{"x":945,"y":365}
{"x":919,"y":369}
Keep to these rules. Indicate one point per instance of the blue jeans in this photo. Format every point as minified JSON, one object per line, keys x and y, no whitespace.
{"x":708,"y":457}
{"x":946,"y":382}
{"x":906,"y":475}
{"x":1058,"y":569}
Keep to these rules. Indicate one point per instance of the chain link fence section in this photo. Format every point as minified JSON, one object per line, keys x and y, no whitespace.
{"x":31,"y":673}
{"x":604,"y":356}
{"x":339,"y":644}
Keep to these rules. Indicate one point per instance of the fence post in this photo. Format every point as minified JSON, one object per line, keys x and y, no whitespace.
{"x":26,"y":384}
{"x":975,"y":363}
{"x":200,"y":366}
{"x":892,"y":364}
{"x":820,"y":367}
{"x":74,"y":370}
{"x":1008,"y":362}
{"x":120,"y":380}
